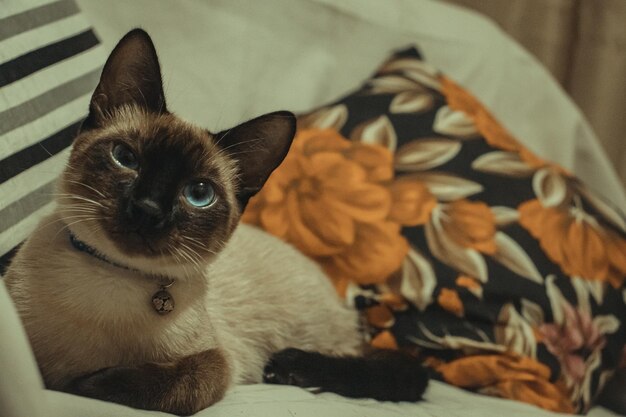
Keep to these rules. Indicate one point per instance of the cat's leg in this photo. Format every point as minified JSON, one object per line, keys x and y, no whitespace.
{"x":182,"y":387}
{"x":384,"y":375}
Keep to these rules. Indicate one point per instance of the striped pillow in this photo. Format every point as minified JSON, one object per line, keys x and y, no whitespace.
{"x":50,"y":62}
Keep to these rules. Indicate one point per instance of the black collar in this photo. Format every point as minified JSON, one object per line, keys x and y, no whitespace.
{"x":83,"y":247}
{"x":162,"y":300}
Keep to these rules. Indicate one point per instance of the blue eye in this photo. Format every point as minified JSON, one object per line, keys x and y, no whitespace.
{"x":199,"y":194}
{"x":124,"y":156}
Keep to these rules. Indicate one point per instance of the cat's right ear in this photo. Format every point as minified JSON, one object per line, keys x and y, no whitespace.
{"x":259,"y":146}
{"x":131,"y":75}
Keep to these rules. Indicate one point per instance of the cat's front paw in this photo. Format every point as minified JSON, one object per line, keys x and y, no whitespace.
{"x":184,"y":387}
{"x":292,"y":367}
{"x":148,"y":386}
{"x":115,"y":384}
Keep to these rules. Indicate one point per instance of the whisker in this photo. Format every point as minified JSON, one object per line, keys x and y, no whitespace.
{"x":186,"y":258}
{"x":196,"y":261}
{"x":184,"y":265}
{"x":87,"y":186}
{"x":63,"y":219}
{"x":63,"y":201}
{"x":233,"y":154}
{"x":196,"y":265}
{"x":184,"y":245}
{"x":81,"y":209}
{"x":243,"y":142}
{"x":199,"y":245}
{"x":178,"y":258}
{"x":44,"y":148}
{"x":224,"y":136}
{"x":174,"y":255}
{"x":77,"y":197}
{"x":189,"y":258}
{"x":193,"y":240}
{"x":67,"y":226}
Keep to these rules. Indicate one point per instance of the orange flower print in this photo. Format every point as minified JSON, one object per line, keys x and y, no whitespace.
{"x":337,"y":201}
{"x":377,"y":252}
{"x":467,"y":282}
{"x":450,"y":301}
{"x":412,"y":202}
{"x":458,"y":232}
{"x":471,"y":284}
{"x":471,"y":225}
{"x":576,"y":241}
{"x":508,"y":376}
{"x":384,"y":340}
{"x":379,"y":316}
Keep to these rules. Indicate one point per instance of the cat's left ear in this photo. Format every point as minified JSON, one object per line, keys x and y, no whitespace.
{"x":131,"y":75}
{"x":258,"y":146}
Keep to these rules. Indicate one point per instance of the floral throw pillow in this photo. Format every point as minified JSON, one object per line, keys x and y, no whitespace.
{"x":500,"y":268}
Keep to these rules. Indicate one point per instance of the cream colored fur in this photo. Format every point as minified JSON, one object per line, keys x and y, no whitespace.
{"x":258,"y":296}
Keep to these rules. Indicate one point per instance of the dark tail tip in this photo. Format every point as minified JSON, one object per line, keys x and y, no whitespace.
{"x":384,"y":375}
{"x":395,"y":376}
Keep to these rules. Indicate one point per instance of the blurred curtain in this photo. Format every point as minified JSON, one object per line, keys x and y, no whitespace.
{"x":583,"y":44}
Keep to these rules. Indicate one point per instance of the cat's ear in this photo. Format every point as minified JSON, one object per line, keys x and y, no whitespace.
{"x":131,"y":75}
{"x":258,"y":146}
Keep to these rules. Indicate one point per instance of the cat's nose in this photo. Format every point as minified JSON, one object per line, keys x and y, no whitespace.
{"x":146,"y":214}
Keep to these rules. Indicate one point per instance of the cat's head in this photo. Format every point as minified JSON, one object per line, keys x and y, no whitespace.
{"x":150,"y":190}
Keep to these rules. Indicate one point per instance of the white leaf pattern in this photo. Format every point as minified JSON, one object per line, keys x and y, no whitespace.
{"x":454,"y":123}
{"x":459,"y":342}
{"x":583,"y":389}
{"x":447,"y":187}
{"x":594,"y":287}
{"x":557,"y":301}
{"x":418,"y":280}
{"x":424,"y":154}
{"x":505,"y":215}
{"x":378,"y":131}
{"x":465,"y":260}
{"x":604,"y":378}
{"x":514,"y":332}
{"x":582,"y":295}
{"x":550,"y":187}
{"x":411,"y":102}
{"x":532,"y":312}
{"x":393,"y":84}
{"x":608,"y":324}
{"x":415,"y":69}
{"x":508,"y":164}
{"x":333,"y":117}
{"x":510,"y":254}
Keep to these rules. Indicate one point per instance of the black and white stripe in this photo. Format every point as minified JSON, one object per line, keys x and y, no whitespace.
{"x":50,"y":61}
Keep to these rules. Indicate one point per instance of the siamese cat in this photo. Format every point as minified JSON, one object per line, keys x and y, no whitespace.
{"x":142,"y":288}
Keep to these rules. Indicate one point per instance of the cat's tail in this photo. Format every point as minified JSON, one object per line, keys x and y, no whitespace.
{"x":385,"y":375}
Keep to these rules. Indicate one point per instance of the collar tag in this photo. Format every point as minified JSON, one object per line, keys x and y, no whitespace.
{"x":162,"y":300}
